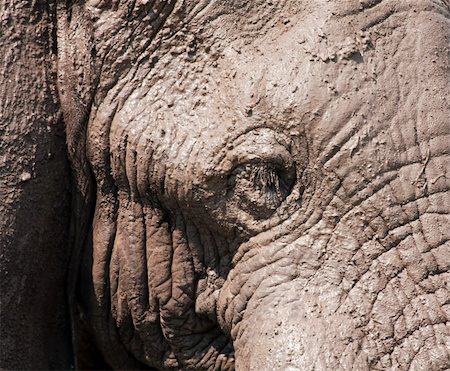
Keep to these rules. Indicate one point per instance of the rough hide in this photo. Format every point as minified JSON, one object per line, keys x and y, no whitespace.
{"x":260,"y":185}
{"x":34,"y":193}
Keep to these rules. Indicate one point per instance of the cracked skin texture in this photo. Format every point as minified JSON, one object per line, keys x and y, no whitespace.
{"x":269,"y":182}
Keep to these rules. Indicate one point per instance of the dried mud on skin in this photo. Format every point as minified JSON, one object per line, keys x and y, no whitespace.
{"x":256,"y":185}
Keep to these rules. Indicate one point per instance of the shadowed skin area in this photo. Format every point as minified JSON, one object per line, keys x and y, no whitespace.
{"x":272,"y":184}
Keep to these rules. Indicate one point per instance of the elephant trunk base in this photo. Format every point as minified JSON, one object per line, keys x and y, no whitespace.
{"x":300,"y":334}
{"x":295,"y":335}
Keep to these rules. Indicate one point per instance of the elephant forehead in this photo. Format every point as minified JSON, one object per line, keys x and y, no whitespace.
{"x":204,"y":98}
{"x":209,"y":88}
{"x":209,"y":100}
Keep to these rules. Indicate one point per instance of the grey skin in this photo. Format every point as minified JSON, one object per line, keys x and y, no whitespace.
{"x":260,"y":185}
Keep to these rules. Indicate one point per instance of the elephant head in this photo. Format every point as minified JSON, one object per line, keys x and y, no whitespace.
{"x":261,"y":185}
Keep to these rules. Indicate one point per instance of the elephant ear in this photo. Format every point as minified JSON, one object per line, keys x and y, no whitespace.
{"x":34,"y":197}
{"x":76,"y":86}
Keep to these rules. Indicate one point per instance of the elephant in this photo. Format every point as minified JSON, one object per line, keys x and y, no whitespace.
{"x":257,"y":185}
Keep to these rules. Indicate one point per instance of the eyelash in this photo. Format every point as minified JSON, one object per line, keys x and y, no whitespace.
{"x":265,"y":178}
{"x":269,"y":181}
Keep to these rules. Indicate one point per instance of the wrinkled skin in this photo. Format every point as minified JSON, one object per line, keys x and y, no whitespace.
{"x":270,"y":182}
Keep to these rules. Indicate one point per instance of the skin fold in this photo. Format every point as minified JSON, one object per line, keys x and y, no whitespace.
{"x":261,"y":185}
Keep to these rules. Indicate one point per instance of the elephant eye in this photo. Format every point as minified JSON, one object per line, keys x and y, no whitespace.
{"x":260,"y":188}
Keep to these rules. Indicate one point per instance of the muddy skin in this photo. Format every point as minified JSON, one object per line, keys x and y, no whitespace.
{"x":34,"y":194}
{"x":268,"y":182}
